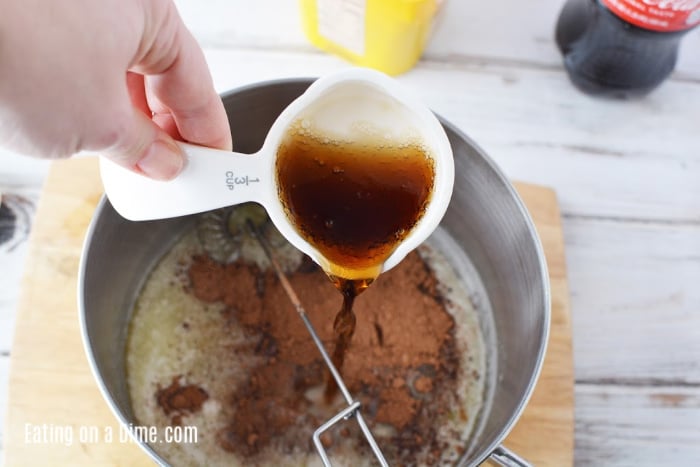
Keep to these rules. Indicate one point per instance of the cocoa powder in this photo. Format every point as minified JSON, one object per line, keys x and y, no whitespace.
{"x":180,"y":400}
{"x":401,"y":362}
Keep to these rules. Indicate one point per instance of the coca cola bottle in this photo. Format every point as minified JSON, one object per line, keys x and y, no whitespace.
{"x":623,"y":48}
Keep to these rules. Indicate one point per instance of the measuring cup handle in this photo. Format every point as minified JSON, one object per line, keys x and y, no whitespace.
{"x":211,"y":179}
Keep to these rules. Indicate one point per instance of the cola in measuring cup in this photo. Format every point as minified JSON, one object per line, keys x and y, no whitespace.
{"x":623,"y":48}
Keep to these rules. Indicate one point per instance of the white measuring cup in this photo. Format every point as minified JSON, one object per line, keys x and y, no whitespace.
{"x":349,"y":104}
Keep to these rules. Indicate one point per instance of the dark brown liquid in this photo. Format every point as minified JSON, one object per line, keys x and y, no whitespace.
{"x":343,"y":326}
{"x":354,"y":203}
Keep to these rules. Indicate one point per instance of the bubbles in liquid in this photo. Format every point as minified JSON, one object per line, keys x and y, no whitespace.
{"x":371,"y":193}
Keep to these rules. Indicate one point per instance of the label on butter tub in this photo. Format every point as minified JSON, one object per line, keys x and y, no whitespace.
{"x":343,"y":22}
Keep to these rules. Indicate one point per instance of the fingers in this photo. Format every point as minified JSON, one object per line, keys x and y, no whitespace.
{"x":134,"y":141}
{"x":142,"y":146}
{"x":179,"y":86}
{"x":175,"y":100}
{"x":137,"y":92}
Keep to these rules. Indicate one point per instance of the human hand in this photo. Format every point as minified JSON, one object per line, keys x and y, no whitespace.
{"x":122,"y":77}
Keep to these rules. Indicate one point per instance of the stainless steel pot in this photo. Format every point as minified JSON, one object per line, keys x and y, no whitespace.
{"x":486,"y":218}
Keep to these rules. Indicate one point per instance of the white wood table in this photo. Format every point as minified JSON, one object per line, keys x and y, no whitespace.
{"x":627,"y":174}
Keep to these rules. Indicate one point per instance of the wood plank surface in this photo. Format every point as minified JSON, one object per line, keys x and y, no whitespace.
{"x":662,"y":267}
{"x":520,"y":32}
{"x":637,"y":425}
{"x":50,"y":381}
{"x":601,"y":162}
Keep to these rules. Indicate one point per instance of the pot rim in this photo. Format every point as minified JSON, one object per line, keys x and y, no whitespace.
{"x":547,"y":294}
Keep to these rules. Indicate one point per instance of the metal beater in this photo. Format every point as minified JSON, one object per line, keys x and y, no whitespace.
{"x":353,"y":408}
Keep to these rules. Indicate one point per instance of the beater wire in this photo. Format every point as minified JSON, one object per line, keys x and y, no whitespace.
{"x":353,"y":408}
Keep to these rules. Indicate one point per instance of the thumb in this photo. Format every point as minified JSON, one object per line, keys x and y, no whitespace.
{"x":144,"y":147}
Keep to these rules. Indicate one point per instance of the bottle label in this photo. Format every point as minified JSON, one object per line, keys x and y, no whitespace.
{"x":343,"y":22}
{"x":657,"y":15}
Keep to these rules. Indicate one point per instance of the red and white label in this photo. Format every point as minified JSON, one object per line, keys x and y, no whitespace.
{"x":657,"y":15}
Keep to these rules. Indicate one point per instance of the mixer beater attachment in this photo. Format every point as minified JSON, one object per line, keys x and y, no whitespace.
{"x":353,"y":407}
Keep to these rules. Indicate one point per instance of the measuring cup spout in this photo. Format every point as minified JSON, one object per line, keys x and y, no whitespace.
{"x":211,"y":179}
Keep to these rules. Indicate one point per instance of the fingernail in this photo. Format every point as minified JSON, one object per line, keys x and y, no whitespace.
{"x":162,"y":161}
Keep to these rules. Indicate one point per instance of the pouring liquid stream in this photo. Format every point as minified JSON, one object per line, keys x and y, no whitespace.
{"x":354,"y":201}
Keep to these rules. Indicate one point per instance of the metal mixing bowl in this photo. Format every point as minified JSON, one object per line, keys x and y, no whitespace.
{"x":486,"y":218}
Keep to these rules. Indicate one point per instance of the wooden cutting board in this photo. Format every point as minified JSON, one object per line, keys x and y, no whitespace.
{"x":51,"y":384}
